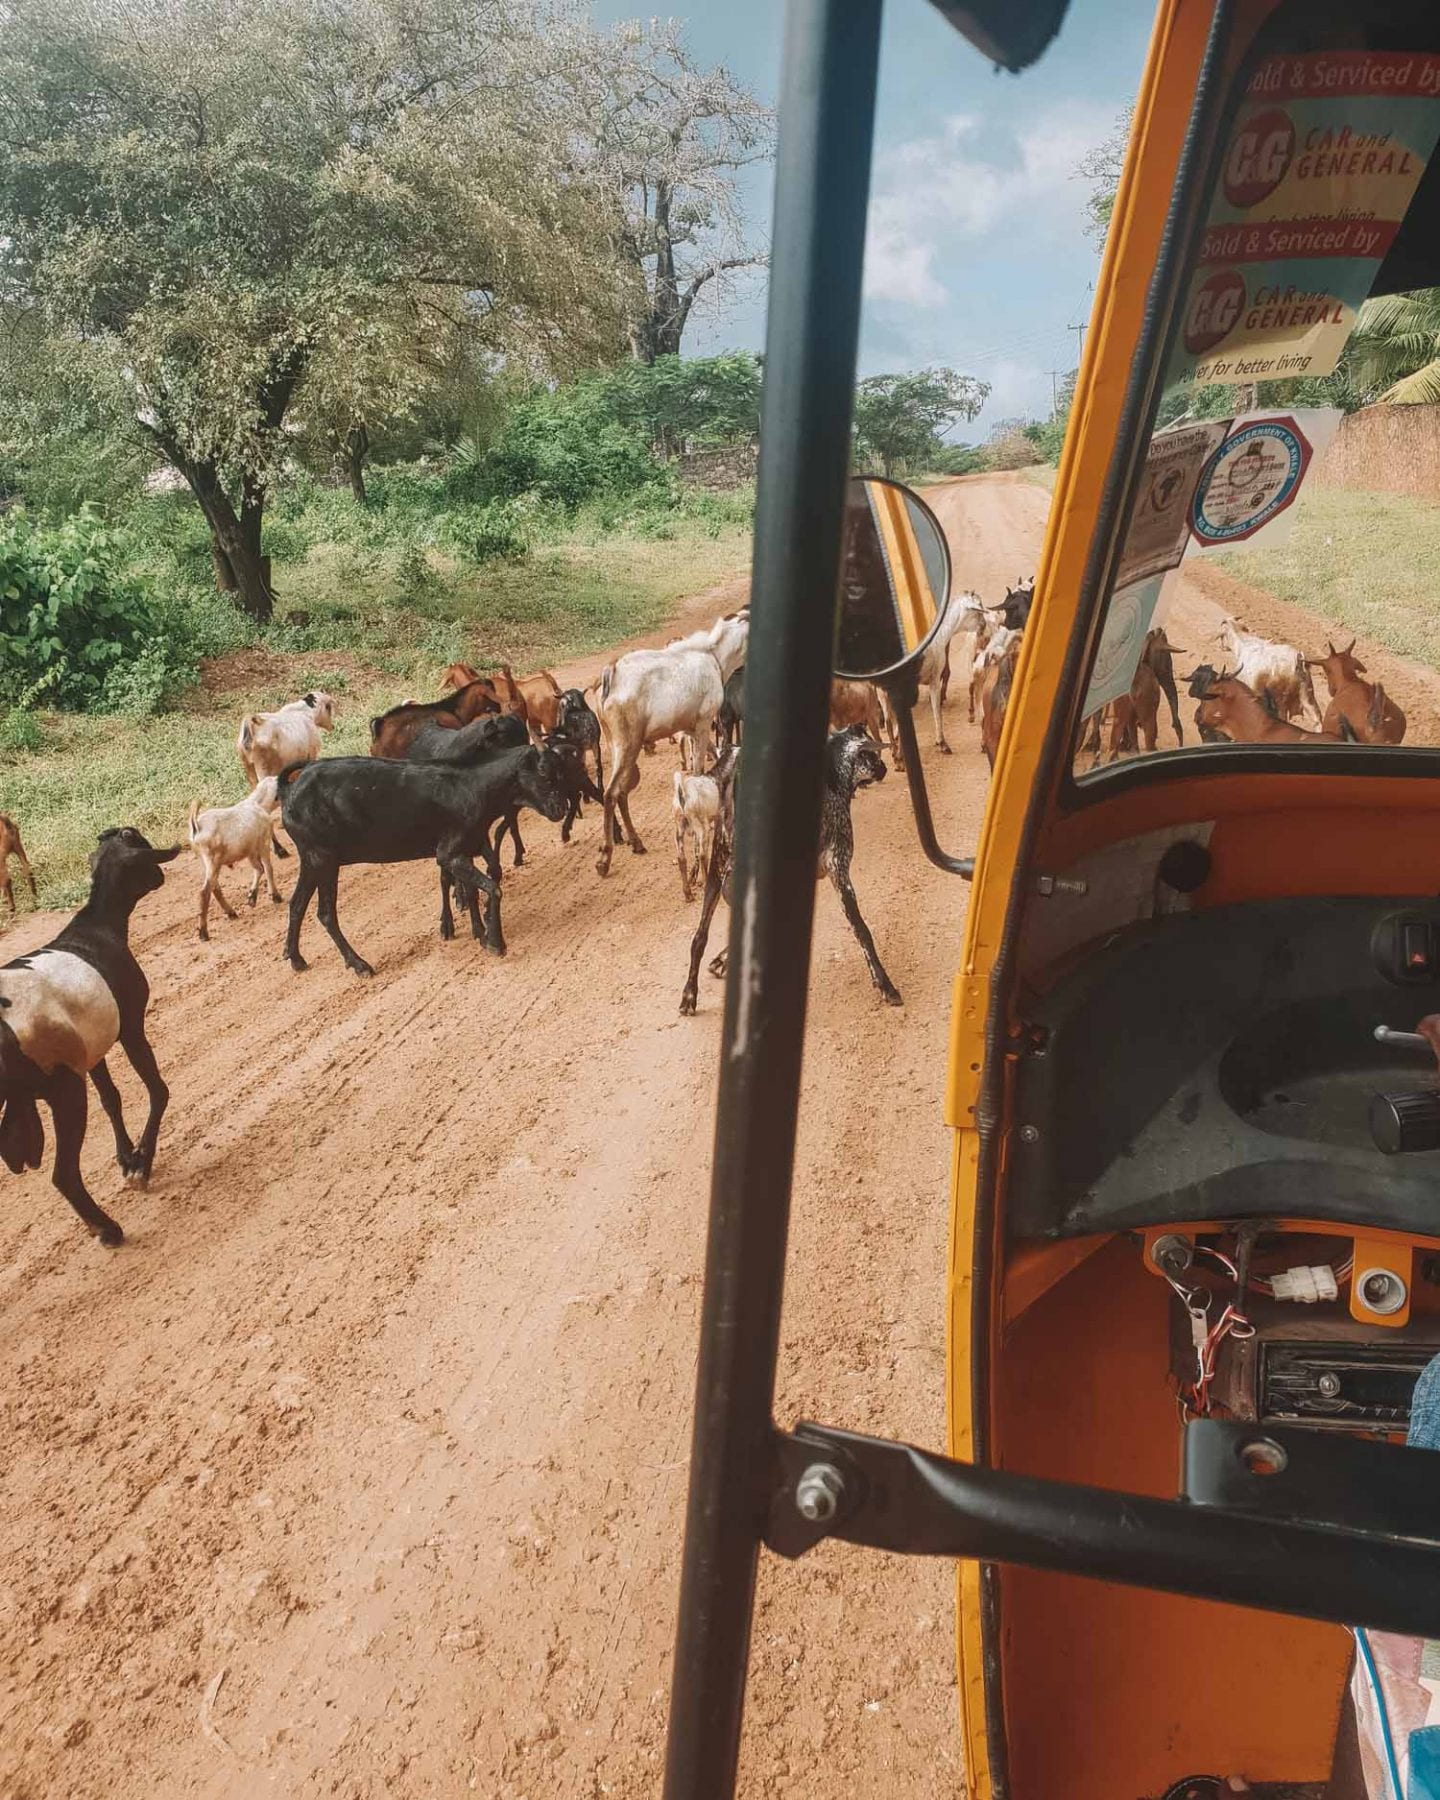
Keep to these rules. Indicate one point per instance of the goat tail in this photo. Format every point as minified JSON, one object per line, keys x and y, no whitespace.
{"x":679,"y":786}
{"x":194,"y":820}
{"x":247,"y":731}
{"x":22,"y":1137}
{"x":607,"y":678}
{"x":288,"y":774}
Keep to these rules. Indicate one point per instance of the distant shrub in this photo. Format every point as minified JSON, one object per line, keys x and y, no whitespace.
{"x":492,"y":532}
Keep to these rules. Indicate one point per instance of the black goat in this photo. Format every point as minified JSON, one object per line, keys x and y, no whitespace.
{"x":731,"y":716}
{"x":468,"y":744}
{"x":62,"y":1010}
{"x":1199,"y":681}
{"x":356,"y":809}
{"x":1017,"y":603}
{"x":852,"y":761}
{"x":575,"y":720}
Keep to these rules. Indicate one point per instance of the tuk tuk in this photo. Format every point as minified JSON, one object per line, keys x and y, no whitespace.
{"x":1195,"y":1248}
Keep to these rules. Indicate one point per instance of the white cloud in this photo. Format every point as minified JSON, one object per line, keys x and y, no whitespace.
{"x":973,"y":178}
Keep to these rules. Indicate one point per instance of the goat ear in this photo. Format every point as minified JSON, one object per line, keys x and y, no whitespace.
{"x":309,"y":699}
{"x":1361,"y":667}
{"x":163,"y":856}
{"x":1349,"y":649}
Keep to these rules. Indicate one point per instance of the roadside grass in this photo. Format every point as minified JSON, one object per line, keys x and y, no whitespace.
{"x":1367,"y":561}
{"x":374,"y":636}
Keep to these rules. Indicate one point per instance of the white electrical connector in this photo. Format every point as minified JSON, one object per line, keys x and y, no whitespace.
{"x":1305,"y":1284}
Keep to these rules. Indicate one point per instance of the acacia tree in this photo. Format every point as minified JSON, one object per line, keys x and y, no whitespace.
{"x":261,"y":216}
{"x":899,"y":418}
{"x":670,"y":139}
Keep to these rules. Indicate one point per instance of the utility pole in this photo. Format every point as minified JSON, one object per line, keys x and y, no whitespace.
{"x":1080,"y":328}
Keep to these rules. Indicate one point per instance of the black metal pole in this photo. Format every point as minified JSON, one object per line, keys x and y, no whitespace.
{"x":901,"y":702}
{"x":822,"y":183}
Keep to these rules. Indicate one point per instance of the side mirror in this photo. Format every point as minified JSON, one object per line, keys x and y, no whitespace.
{"x":894,"y":595}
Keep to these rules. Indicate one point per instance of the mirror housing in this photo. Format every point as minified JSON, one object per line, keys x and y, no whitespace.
{"x":894,"y":600}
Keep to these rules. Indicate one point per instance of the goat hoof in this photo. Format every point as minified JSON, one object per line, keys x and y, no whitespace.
{"x":110,"y":1234}
{"x":298,"y":963}
{"x":497,"y":949}
{"x":891,"y":996}
{"x":687,"y":1005}
{"x":361,"y":967}
{"x":944,"y":749}
{"x":278,"y":899}
{"x":638,"y":848}
{"x":138,"y":1179}
{"x":203,"y":935}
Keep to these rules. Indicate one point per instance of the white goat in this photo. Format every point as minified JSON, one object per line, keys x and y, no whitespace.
{"x":270,"y":742}
{"x":697,"y":809}
{"x":1276,"y":670}
{"x":964,"y":619}
{"x":647,"y":695}
{"x":224,"y":835}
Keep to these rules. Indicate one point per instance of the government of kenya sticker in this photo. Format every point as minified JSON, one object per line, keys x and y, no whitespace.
{"x":1254,"y":475}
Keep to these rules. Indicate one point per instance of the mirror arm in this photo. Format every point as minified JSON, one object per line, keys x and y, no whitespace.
{"x":963,"y":866}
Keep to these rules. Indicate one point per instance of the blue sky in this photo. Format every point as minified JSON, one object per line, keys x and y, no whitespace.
{"x":977,"y":253}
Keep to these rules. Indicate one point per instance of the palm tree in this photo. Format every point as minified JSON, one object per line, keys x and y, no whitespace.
{"x":1394,"y":353}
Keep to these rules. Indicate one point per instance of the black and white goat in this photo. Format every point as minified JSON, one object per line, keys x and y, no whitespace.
{"x":852,"y":761}
{"x":62,"y":1010}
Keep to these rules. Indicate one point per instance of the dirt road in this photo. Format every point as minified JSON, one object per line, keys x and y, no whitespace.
{"x":359,"y":1470}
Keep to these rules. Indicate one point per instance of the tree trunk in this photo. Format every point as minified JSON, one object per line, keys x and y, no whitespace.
{"x":356,"y":448}
{"x":235,"y":540}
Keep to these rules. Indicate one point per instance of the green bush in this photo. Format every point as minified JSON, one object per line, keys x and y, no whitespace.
{"x":20,"y":730}
{"x":68,"y":613}
{"x":492,"y":532}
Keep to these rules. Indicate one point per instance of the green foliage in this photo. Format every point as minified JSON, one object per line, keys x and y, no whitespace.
{"x":488,"y":532}
{"x":68,"y":615}
{"x":960,"y":459}
{"x":1395,"y":350}
{"x":899,"y":418}
{"x":1102,"y":166}
{"x":20,"y":730}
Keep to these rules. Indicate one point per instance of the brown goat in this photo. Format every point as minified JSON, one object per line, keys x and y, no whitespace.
{"x":1230,"y":706}
{"x":1371,"y":715}
{"x":533,"y":698}
{"x":856,"y":703}
{"x":995,"y":699}
{"x":393,"y":732}
{"x":10,"y":845}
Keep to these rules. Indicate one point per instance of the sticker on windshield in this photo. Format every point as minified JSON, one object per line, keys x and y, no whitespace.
{"x":1255,"y":476}
{"x":1160,"y":524}
{"x":1127,"y":619}
{"x":1318,"y":174}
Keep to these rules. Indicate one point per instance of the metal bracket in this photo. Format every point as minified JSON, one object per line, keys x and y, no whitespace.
{"x":1292,"y":1535}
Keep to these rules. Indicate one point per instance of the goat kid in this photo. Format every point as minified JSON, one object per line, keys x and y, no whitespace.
{"x":222,"y":836}
{"x":852,"y":762}
{"x":63,"y":1008}
{"x":10,"y":845}
{"x":697,"y":809}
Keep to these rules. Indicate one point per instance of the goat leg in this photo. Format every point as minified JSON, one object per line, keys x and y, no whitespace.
{"x":304,"y":891}
{"x":110,"y":1099}
{"x":135,"y":1044}
{"x":512,"y":825}
{"x":840,"y":876}
{"x":447,"y":918}
{"x":714,"y":887}
{"x":65,"y":1092}
{"x":469,"y":882}
{"x":329,"y":885}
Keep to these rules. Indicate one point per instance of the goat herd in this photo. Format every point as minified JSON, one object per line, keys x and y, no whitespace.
{"x":1256,"y":702}
{"x":447,"y":780}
